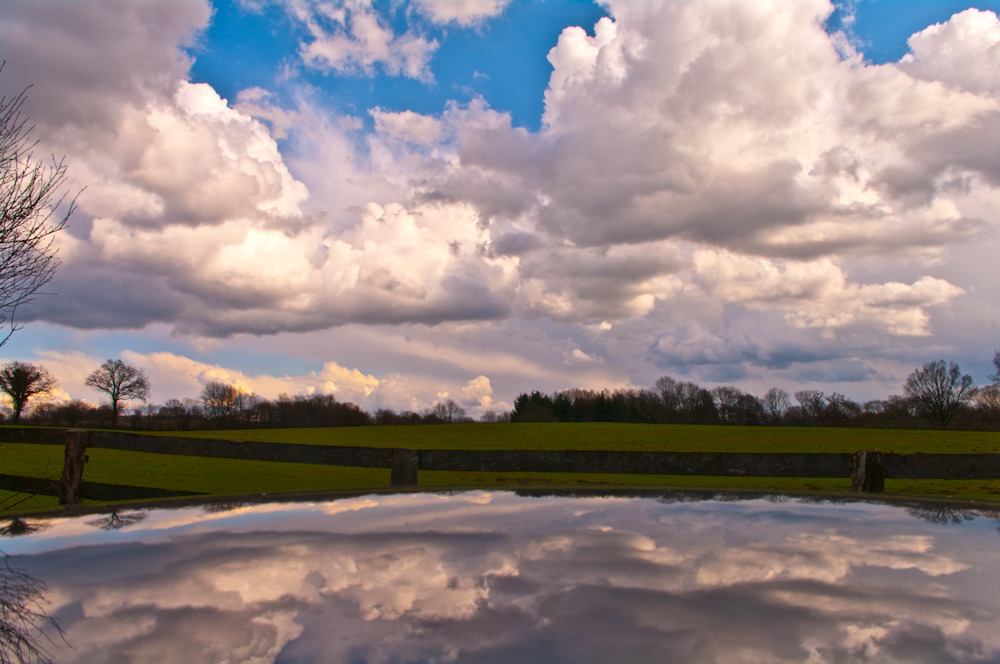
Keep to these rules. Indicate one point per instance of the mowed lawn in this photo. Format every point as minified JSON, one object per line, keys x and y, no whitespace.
{"x":220,"y":476}
{"x":625,"y":437}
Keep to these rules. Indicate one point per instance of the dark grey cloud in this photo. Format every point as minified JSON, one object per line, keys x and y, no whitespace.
{"x":495,"y":196}
{"x":514,"y":244}
{"x":95,"y":295}
{"x":87,"y":62}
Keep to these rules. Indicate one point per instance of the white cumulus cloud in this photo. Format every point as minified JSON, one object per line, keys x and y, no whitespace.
{"x":462,"y":12}
{"x":351,"y":37}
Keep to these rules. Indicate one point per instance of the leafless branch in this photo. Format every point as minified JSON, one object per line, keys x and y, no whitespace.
{"x":22,"y":618}
{"x":29,"y":201}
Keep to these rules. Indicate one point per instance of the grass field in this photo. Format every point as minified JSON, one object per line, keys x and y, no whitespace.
{"x":220,"y":476}
{"x":627,"y":437}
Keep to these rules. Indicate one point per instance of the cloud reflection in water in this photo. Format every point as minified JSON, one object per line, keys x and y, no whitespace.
{"x":500,"y":577}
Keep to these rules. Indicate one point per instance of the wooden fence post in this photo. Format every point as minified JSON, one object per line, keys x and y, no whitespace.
{"x":869,"y":471}
{"x":404,"y":467}
{"x":72,"y":477}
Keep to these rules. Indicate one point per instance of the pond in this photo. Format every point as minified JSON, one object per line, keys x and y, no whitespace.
{"x":521,"y":577}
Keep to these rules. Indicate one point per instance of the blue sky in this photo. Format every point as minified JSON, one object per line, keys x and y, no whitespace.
{"x":883,"y":26}
{"x":503,"y":61}
{"x":403,"y":200}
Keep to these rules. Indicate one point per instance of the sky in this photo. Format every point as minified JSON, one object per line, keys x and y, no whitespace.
{"x":403,"y":201}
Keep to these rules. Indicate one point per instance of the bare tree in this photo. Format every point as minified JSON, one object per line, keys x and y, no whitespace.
{"x":812,"y":402}
{"x":939,"y":391}
{"x":221,"y":399}
{"x":22,"y":381}
{"x":749,"y":409}
{"x":899,"y":408}
{"x":692,"y":401}
{"x":29,"y":198}
{"x":727,"y":398}
{"x":776,"y":402}
{"x":455,"y":412}
{"x":839,"y":409}
{"x":666,"y":387}
{"x":150,"y":410}
{"x":121,"y":381}
{"x":987,"y":402}
{"x":874,"y":407}
{"x":449,"y":411}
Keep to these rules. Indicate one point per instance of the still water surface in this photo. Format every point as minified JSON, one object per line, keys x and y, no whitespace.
{"x":501,"y":577}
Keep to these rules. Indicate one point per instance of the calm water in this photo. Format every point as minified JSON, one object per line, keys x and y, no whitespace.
{"x":500,"y":577}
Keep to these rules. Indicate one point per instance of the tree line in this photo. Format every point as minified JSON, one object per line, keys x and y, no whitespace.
{"x":220,"y":405}
{"x":936,"y":395}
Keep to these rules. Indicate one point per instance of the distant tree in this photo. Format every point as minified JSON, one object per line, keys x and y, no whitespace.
{"x":448,"y":411}
{"x":839,"y":409}
{"x":455,"y":412}
{"x":135,"y":418}
{"x":562,"y":406}
{"x":995,"y":377}
{"x":610,"y":406}
{"x":897,"y":408}
{"x":939,"y":391}
{"x":173,"y":408}
{"x":150,"y":409}
{"x":192,"y":406}
{"x":873,"y":407}
{"x":387,"y":416}
{"x":71,"y":413}
{"x":178,"y":413}
{"x":727,"y":399}
{"x":812,"y":403}
{"x":665,"y":387}
{"x":987,"y":403}
{"x":645,"y":406}
{"x":534,"y":407}
{"x":221,"y":400}
{"x":775,"y":403}
{"x":694,"y":403}
{"x":121,"y":381}
{"x":22,"y":381}
{"x":574,"y":405}
{"x":489,"y":417}
{"x":749,"y":409}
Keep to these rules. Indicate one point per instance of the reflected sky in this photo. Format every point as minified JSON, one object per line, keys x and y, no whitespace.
{"x":501,"y":577}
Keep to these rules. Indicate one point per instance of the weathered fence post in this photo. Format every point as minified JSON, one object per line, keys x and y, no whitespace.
{"x":72,"y":477}
{"x":869,"y":471}
{"x":404,"y":467}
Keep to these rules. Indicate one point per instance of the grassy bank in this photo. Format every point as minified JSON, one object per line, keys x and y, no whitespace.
{"x":220,"y":476}
{"x":627,"y":437}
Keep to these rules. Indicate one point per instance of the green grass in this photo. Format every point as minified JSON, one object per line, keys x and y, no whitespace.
{"x":626,"y":437}
{"x":222,"y":476}
{"x":178,"y":473}
{"x":20,"y":501}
